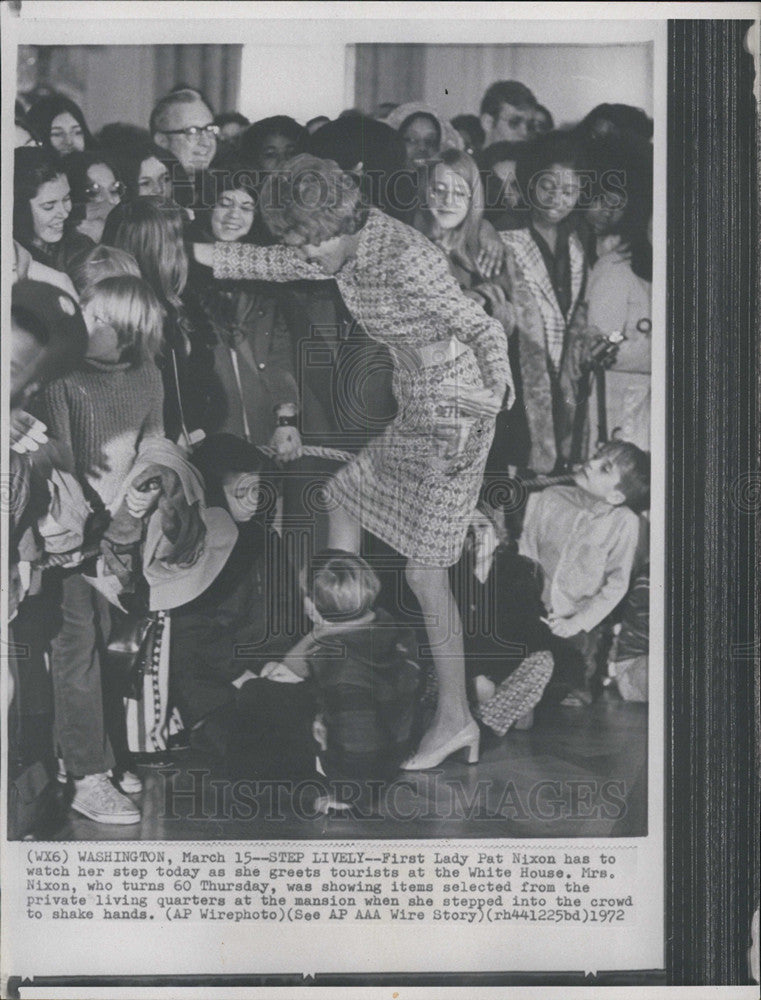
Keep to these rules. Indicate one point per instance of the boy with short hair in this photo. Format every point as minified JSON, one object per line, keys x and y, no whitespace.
{"x":362,"y":666}
{"x":585,"y":538}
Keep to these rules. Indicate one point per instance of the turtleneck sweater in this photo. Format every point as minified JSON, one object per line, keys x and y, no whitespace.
{"x":103,"y":411}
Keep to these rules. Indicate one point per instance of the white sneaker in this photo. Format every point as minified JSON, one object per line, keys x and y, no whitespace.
{"x":129,"y":782}
{"x":96,"y":798}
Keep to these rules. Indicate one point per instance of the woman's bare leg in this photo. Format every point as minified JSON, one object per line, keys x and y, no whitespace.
{"x":344,"y":531}
{"x":434,"y":594}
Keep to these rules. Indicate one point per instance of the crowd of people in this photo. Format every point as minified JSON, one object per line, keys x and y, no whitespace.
{"x":337,"y":434}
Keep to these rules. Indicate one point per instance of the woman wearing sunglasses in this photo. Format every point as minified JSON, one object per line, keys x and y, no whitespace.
{"x":96,"y":188}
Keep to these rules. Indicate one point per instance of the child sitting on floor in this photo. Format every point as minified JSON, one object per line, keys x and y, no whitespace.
{"x":585,"y":538}
{"x":364,"y":673}
{"x":507,"y":643}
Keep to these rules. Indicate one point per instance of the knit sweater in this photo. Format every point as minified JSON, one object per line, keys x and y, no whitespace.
{"x":103,"y":412}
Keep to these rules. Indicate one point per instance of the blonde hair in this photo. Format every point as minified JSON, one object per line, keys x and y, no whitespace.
{"x":151,"y":229}
{"x":91,"y":266}
{"x":128,"y":305}
{"x":465,"y":247}
{"x":343,"y":585}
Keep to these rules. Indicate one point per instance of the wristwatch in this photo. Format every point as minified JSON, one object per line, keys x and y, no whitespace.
{"x":288,"y":420}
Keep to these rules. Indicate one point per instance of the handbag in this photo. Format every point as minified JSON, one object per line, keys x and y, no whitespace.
{"x":129,"y":650}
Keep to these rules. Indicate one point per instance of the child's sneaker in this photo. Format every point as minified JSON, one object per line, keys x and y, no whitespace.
{"x":129,"y":782}
{"x":96,"y":798}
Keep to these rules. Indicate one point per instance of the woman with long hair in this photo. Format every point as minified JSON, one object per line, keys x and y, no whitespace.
{"x":451,"y":216}
{"x":416,"y":485}
{"x":60,"y":125}
{"x":145,"y":169}
{"x":257,"y":397}
{"x":151,"y":229}
{"x":42,"y":205}
{"x":96,"y":188}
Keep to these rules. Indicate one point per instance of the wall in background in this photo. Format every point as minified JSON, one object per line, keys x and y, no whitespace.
{"x":296,"y":80}
{"x":123,"y":82}
{"x":569,"y":79}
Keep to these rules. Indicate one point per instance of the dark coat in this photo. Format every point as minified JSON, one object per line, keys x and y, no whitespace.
{"x":242,"y":326}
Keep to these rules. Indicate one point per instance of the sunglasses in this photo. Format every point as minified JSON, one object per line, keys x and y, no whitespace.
{"x":93,"y":190}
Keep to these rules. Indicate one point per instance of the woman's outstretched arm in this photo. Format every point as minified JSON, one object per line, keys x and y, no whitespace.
{"x":238,"y":261}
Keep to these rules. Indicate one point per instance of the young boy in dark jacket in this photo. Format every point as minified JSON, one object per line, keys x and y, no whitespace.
{"x":362,"y":666}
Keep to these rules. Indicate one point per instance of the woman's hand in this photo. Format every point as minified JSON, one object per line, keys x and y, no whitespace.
{"x":139,"y":502}
{"x":491,"y":255}
{"x":563,"y":628}
{"x":597,"y":350}
{"x":23,"y":260}
{"x":204,"y":253}
{"x":287,"y":443}
{"x":471,"y":402}
{"x":27,"y":433}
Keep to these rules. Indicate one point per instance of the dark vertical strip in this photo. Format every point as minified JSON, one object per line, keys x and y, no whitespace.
{"x":714,"y":504}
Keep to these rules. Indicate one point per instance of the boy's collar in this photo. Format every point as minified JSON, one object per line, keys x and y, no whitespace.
{"x":326,"y":626}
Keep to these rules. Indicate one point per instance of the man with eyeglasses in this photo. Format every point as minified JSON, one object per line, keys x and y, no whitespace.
{"x":507,"y":112}
{"x":182,"y":123}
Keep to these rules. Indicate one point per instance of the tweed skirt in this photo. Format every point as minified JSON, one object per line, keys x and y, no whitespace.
{"x":400,"y":488}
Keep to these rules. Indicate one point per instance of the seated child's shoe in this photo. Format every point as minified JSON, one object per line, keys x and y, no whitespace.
{"x":97,"y":799}
{"x":326,"y":804}
{"x":578,"y":698}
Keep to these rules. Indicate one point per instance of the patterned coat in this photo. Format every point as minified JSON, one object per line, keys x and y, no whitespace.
{"x":549,"y":344}
{"x":398,"y":286}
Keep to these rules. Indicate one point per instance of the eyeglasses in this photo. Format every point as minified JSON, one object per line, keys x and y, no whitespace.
{"x":193,"y":131}
{"x":455,"y":193}
{"x":93,"y":190}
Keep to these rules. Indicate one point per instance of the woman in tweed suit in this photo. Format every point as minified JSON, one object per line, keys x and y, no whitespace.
{"x":416,"y":485}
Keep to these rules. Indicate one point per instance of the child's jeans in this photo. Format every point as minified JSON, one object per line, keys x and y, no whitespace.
{"x":76,"y":670}
{"x":577,"y":660}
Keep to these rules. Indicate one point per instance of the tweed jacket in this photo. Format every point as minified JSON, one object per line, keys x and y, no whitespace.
{"x":549,"y":344}
{"x":382,"y":288}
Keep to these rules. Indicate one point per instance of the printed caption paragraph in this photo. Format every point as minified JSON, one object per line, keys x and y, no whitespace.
{"x":546,"y":885}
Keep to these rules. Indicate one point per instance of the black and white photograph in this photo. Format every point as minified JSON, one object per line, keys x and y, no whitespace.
{"x":338,"y":438}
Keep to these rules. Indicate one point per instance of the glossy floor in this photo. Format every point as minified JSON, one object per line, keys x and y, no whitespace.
{"x":577,"y":773}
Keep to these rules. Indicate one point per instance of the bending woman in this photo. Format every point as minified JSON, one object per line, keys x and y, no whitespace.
{"x":416,"y":485}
